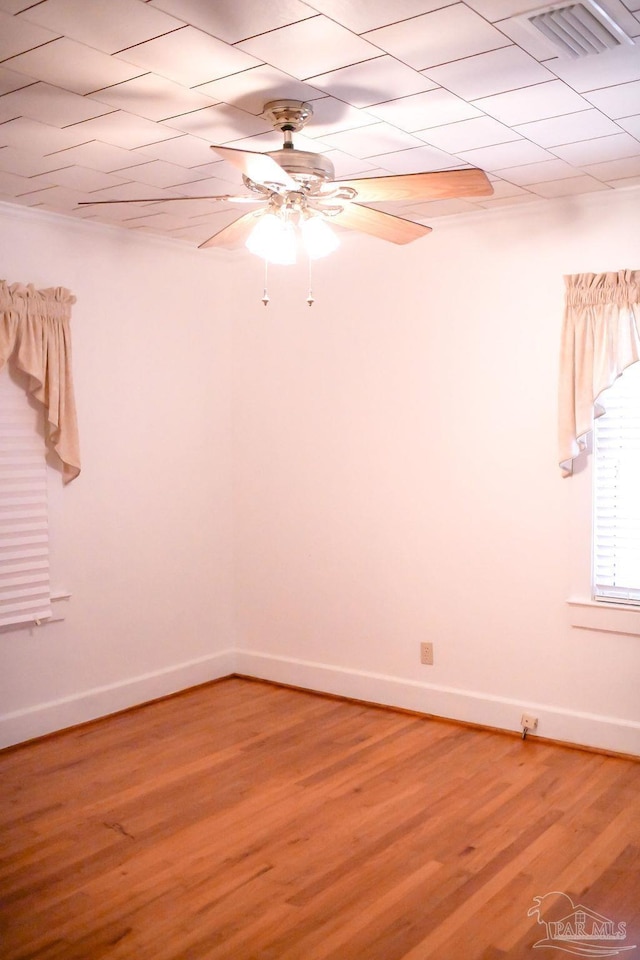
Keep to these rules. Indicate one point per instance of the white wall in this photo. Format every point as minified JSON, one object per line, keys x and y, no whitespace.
{"x":397,"y":477}
{"x":143,"y":539}
{"x":389,"y":456}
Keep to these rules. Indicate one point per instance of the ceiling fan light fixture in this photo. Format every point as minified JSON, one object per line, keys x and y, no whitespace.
{"x":318,"y":239}
{"x":273,"y":239}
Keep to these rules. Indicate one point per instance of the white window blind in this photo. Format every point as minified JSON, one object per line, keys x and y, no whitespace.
{"x":24,"y":535}
{"x":616,"y":528}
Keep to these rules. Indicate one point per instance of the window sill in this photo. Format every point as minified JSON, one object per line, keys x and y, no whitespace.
{"x":605,"y":617}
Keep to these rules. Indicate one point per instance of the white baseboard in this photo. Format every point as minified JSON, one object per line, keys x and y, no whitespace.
{"x":554,"y":723}
{"x":45,"y":718}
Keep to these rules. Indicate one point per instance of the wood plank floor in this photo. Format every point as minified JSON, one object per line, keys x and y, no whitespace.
{"x":244,"y":821}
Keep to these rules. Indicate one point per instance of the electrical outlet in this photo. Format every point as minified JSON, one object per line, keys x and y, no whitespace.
{"x":528,"y":722}
{"x":426,"y":654}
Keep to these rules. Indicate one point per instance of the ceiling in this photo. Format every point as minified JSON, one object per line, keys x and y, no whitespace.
{"x":114,"y":99}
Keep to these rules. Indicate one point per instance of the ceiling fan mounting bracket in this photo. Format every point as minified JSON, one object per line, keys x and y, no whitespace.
{"x":287,"y":115}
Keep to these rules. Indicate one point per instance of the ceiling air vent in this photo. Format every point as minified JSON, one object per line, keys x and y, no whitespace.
{"x":578,"y":29}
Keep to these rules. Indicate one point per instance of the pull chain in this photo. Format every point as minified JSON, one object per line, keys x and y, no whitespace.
{"x":265,"y":296}
{"x":310,"y":299}
{"x":266,"y":299}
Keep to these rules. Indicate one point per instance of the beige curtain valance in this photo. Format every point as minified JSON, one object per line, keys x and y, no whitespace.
{"x":600,"y":339}
{"x":35,"y":331}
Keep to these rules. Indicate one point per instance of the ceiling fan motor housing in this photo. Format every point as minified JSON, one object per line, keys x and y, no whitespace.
{"x":308,"y":168}
{"x":289,"y":116}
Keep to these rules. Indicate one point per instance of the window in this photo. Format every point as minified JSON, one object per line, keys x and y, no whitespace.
{"x":24,"y":537}
{"x":616,"y":493}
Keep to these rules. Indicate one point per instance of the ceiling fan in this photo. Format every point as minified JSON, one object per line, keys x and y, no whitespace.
{"x":297,"y":187}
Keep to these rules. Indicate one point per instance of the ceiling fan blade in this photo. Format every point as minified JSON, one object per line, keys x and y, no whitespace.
{"x":234,"y":234}
{"x":259,"y":167}
{"x":383,"y":225}
{"x":224,"y":197}
{"x":439,"y":185}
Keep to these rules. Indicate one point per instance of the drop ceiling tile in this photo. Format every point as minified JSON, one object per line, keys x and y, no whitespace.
{"x":189,"y":208}
{"x":159,"y":173}
{"x":12,"y":185}
{"x":81,"y":178}
{"x":438,"y":37}
{"x":251,"y":89}
{"x":26,"y":164}
{"x":423,"y":110}
{"x":621,"y":65}
{"x":310,"y":47}
{"x":568,"y":129}
{"x":528,"y":38}
{"x":618,"y":101}
{"x":100,"y":156}
{"x":490,"y":73}
{"x":163,"y":221}
{"x":18,"y":36}
{"x":10,"y":81}
{"x":183,"y":150}
{"x":363,"y":15}
{"x":152,"y":97}
{"x":213,"y":187}
{"x":117,"y":214}
{"x":219,"y":124}
{"x":505,"y":155}
{"x":15,"y":6}
{"x":532,"y":103}
{"x":130,"y":191}
{"x":189,"y":56}
{"x":498,"y":9}
{"x":72,"y":66}
{"x":140,"y":218}
{"x":33,"y":198}
{"x":373,"y":81}
{"x":39,"y":138}
{"x":416,"y":160}
{"x":232,"y":21}
{"x":487,"y":202}
{"x":124,"y":130}
{"x":346,"y":165}
{"x":569,"y":187}
{"x":599,"y":151}
{"x":50,"y":105}
{"x":625,"y":183}
{"x":333,"y":116}
{"x":62,"y":198}
{"x":531,"y":173}
{"x":632,"y":125}
{"x":614,"y":169}
{"x":469,"y":135}
{"x":110,"y":26}
{"x":372,"y":141}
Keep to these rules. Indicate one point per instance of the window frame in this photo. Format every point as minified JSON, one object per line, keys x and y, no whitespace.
{"x":606,"y":435}
{"x":584,"y":611}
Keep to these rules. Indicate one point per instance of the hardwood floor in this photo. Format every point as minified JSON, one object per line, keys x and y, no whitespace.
{"x":243,"y":821}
